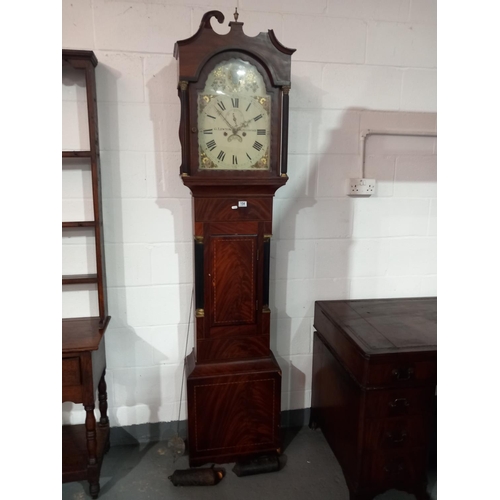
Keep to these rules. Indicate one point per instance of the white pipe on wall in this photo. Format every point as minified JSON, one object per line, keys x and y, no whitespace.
{"x":367,"y":133}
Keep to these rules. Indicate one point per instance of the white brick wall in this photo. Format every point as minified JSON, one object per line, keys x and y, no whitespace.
{"x":360,"y":64}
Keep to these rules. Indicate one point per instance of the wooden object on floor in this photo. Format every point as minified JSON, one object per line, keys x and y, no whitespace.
{"x":83,"y":349}
{"x":374,"y":381}
{"x":234,"y":131}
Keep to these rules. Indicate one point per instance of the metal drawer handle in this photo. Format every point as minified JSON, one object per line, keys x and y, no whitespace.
{"x":398,"y":437}
{"x":399,"y":403}
{"x":403,"y":373}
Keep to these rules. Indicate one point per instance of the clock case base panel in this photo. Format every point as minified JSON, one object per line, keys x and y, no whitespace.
{"x":234,"y":410}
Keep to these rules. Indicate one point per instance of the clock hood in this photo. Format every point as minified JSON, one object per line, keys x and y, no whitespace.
{"x":194,"y":52}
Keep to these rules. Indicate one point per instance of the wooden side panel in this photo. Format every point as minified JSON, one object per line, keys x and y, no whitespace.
{"x":233,"y":280}
{"x":337,"y":404}
{"x":341,"y":344}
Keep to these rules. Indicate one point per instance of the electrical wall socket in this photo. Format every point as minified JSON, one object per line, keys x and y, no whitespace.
{"x":361,"y":187}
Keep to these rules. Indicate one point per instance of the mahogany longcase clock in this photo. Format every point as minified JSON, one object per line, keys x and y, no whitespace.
{"x":234,"y":132}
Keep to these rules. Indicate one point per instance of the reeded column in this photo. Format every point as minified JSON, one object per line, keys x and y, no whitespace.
{"x":284,"y":138}
{"x":184,"y":126}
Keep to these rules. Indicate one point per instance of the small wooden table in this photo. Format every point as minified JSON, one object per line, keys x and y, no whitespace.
{"x":83,"y":372}
{"x":373,"y":388}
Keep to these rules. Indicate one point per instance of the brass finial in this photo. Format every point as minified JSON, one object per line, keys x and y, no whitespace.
{"x":236,"y":15}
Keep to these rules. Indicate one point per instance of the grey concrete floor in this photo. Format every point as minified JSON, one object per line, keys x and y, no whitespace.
{"x":312,"y":473}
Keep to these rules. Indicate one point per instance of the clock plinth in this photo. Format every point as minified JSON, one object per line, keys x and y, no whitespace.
{"x":233,"y":409}
{"x":233,"y":131}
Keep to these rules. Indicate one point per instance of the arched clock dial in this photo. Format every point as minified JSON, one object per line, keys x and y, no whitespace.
{"x":234,"y":119}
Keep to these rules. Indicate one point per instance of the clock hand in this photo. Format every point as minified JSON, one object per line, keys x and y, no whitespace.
{"x":234,"y":130}
{"x":224,"y":118}
{"x":244,"y":124}
{"x":237,"y":128}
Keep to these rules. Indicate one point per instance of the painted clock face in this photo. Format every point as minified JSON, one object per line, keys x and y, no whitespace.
{"x":234,"y":119}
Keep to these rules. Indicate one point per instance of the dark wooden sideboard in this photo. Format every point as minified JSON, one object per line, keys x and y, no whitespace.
{"x":373,"y":390}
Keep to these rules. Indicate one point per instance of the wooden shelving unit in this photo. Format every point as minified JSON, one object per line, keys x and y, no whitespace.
{"x":85,"y":223}
{"x":83,"y":349}
{"x":77,"y":154}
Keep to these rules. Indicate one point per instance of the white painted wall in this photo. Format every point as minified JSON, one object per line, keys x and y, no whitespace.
{"x":360,"y":64}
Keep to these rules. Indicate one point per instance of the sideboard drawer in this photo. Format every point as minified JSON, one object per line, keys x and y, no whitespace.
{"x":72,"y":379}
{"x":392,"y":433}
{"x":398,"y":402}
{"x":401,"y":373}
{"x":382,"y":468}
{"x":71,"y":371}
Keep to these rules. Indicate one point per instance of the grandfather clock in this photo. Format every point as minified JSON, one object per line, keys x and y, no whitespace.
{"x":234,"y":132}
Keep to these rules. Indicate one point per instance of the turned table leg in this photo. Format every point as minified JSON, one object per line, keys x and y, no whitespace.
{"x":92,"y":462}
{"x":103,"y":400}
{"x":103,"y":407}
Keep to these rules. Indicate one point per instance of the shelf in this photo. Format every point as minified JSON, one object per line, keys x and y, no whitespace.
{"x":89,"y":223}
{"x":74,"y":450}
{"x":79,"y":279}
{"x":76,"y":154}
{"x":70,"y":56}
{"x":82,"y":334}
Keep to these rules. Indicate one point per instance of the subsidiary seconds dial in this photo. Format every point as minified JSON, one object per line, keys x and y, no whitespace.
{"x":233,"y":131}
